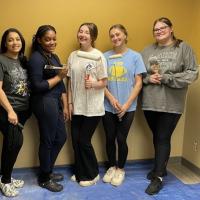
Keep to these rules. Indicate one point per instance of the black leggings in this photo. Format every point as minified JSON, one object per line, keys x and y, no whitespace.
{"x":82,"y":130}
{"x":12,"y":142}
{"x":162,"y":125}
{"x":117,"y":130}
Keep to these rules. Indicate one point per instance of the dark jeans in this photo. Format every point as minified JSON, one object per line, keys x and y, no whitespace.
{"x":117,"y":130}
{"x":82,"y":130}
{"x":162,"y":125}
{"x":12,"y":142}
{"x":49,"y":114}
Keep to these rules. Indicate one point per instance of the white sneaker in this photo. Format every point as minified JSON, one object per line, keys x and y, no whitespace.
{"x":89,"y":183}
{"x":73,"y":178}
{"x":8,"y":189}
{"x":118,"y":177}
{"x":17,"y":183}
{"x":109,"y":175}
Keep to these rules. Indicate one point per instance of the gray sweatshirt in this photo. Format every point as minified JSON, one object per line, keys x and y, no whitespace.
{"x":178,"y":68}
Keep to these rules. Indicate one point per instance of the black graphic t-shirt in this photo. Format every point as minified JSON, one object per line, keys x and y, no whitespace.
{"x":15,"y":82}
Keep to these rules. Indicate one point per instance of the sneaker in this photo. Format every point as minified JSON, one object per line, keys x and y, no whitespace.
{"x":118,"y":177}
{"x":56,"y":177}
{"x":154,"y":187}
{"x":51,"y":186}
{"x":151,"y":175}
{"x":73,"y":178}
{"x":89,"y":183}
{"x":109,"y":175}
{"x":17,"y":183}
{"x":8,"y":189}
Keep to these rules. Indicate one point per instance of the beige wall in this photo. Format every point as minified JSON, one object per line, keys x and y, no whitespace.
{"x":192,"y":123}
{"x":66,"y":16}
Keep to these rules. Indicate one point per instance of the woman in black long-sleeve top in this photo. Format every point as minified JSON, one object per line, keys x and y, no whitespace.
{"x":49,"y":104}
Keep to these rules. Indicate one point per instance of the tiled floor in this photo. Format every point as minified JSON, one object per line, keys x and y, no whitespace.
{"x":132,"y":188}
{"x":183,"y":173}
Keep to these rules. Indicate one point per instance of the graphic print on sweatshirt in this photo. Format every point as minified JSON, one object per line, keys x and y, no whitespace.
{"x":163,"y":62}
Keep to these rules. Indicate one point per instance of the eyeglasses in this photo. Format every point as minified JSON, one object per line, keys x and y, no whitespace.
{"x":156,"y":30}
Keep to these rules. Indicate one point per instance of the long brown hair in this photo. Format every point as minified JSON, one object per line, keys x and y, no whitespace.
{"x":92,"y":29}
{"x":121,"y":28}
{"x":169,"y":23}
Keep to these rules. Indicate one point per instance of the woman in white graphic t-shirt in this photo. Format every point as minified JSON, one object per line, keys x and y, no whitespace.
{"x":87,"y":80}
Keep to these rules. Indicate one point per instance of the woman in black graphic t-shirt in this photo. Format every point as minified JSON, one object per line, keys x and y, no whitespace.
{"x":14,"y":105}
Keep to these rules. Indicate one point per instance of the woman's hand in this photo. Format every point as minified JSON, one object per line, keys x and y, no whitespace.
{"x":66,"y":114}
{"x":122,"y":112}
{"x":62,"y":73}
{"x":12,"y":117}
{"x":115,"y":103}
{"x":155,"y":78}
{"x":70,"y":110}
{"x":88,"y":82}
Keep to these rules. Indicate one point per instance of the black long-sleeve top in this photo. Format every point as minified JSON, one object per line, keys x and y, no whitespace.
{"x":39,"y":76}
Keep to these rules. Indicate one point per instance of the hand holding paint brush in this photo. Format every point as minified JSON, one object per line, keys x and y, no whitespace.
{"x":62,"y":73}
{"x":88,"y":78}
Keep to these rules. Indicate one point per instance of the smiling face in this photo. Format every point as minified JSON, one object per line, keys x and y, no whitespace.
{"x":162,"y":32}
{"x":84,"y":37}
{"x":48,"y":41}
{"x":13,"y":43}
{"x":118,"y":37}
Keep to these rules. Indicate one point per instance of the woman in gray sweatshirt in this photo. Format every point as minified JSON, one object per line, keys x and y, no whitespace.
{"x":171,"y":67}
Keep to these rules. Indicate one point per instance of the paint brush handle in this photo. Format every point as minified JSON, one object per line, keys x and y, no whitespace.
{"x":52,"y":67}
{"x":87,"y":76}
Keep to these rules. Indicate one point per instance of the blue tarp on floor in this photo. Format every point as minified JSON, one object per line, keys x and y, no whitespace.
{"x":132,"y":188}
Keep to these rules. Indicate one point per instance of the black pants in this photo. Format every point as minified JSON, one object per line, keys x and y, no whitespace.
{"x":162,"y":126}
{"x":82,"y":130}
{"x":49,"y":114}
{"x":12,"y":142}
{"x":117,"y":130}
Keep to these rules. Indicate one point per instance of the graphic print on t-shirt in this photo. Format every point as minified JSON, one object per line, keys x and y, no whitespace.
{"x":19,"y":84}
{"x":117,"y":72}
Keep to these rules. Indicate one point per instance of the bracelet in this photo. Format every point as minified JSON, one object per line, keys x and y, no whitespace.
{"x":69,"y":103}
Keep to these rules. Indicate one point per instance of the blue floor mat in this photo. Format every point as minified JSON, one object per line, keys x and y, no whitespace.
{"x":132,"y":188}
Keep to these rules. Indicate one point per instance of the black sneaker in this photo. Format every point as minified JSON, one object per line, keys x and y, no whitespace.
{"x":51,"y":186}
{"x":151,"y":175}
{"x":154,"y":187}
{"x":57,"y":177}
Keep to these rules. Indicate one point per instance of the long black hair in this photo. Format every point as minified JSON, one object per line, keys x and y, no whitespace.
{"x":42,"y":30}
{"x":36,"y":46}
{"x":4,"y":49}
{"x":169,"y":23}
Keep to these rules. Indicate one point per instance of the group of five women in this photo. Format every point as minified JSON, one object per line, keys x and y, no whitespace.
{"x":98,"y":86}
